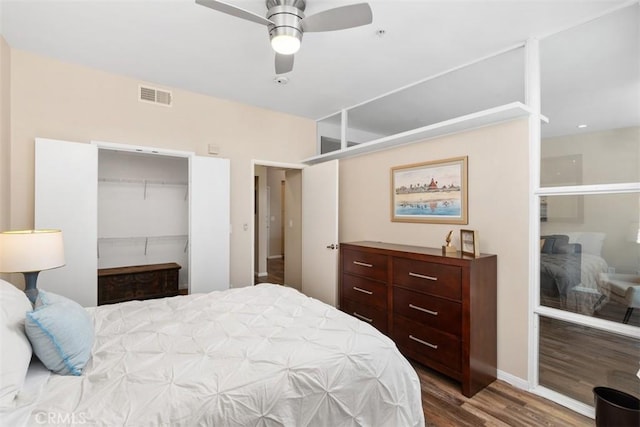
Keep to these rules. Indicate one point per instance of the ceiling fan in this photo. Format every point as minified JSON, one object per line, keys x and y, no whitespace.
{"x":286,"y":22}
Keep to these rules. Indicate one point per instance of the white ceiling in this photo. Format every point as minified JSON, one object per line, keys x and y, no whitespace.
{"x":180,"y":44}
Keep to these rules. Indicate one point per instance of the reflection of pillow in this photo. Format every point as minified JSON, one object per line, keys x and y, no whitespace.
{"x":61,"y":333}
{"x":547,"y":246}
{"x":16,"y":350}
{"x":541,"y":244}
{"x":591,"y":241}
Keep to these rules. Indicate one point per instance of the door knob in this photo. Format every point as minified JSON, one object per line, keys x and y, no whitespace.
{"x":332,"y":246}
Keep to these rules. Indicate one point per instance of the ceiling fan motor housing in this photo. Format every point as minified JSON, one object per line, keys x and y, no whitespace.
{"x":286,"y":15}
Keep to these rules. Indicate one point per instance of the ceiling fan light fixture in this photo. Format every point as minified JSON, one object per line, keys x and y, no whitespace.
{"x":285,"y":44}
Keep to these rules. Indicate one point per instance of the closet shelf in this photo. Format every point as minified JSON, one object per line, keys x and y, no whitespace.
{"x":142,"y":181}
{"x":146,"y":240}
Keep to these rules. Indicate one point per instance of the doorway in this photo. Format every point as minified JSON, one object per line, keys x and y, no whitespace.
{"x":277,"y":225}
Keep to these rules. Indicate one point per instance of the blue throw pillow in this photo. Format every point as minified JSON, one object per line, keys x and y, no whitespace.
{"x":61,"y":333}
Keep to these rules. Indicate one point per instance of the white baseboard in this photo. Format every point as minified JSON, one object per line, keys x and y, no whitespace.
{"x":263,"y":274}
{"x":511,"y":379}
{"x":274,"y":257}
{"x":553,"y":396}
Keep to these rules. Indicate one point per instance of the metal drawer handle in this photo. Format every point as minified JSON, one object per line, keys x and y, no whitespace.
{"x":362,"y":264}
{"x":361,"y":317}
{"x":364,"y":291}
{"x":415,"y":307}
{"x":428,"y":344}
{"x":422,"y":276}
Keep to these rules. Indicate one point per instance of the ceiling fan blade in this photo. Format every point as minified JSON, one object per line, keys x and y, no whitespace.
{"x":338,"y":18}
{"x":234,"y":11}
{"x":284,"y":63}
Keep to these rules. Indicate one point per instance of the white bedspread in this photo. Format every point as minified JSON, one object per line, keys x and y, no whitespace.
{"x":257,"y":356}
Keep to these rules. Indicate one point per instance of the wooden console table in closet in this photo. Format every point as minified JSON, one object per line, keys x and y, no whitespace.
{"x":137,"y":282}
{"x":439,"y":309}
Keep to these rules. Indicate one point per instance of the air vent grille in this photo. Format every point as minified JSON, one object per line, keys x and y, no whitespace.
{"x":154,"y":95}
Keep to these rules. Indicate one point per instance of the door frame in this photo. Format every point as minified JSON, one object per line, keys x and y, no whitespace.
{"x":252,"y":230}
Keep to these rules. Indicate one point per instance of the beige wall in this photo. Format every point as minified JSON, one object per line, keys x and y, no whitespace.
{"x":58,"y":100}
{"x":498,"y":209}
{"x":5,"y":135}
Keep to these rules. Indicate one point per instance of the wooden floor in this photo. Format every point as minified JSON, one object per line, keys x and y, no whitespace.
{"x":275,"y":272}
{"x":500,"y":404}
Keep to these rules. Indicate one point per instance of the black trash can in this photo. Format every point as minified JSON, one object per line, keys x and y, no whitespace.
{"x":615,"y":408}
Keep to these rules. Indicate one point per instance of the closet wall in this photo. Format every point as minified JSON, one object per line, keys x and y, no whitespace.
{"x":143,"y":211}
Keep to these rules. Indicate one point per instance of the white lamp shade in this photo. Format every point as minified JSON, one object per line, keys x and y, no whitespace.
{"x":31,"y":250}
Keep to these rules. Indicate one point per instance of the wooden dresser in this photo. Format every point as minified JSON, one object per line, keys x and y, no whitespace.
{"x":137,"y":282}
{"x":440,"y":310}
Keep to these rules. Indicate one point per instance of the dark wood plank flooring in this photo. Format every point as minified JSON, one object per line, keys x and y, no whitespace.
{"x":500,"y":404}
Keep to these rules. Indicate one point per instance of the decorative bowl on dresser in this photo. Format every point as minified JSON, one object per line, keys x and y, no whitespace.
{"x":440,"y":310}
{"x":137,"y":282}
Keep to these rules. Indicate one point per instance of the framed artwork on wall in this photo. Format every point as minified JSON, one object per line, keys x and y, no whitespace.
{"x":430,"y":192}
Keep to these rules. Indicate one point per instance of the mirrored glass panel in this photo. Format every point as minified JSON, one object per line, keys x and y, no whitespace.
{"x":590,"y":255}
{"x":574,"y":359}
{"x":590,"y":78}
{"x":489,"y":83}
{"x":329,"y":132}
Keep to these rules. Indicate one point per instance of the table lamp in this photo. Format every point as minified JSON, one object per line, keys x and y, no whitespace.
{"x":29,"y":252}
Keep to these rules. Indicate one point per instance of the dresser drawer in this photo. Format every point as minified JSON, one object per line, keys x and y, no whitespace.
{"x":373,"y":266}
{"x":364,"y":291}
{"x":423,"y":342}
{"x":436,"y":279}
{"x":366,"y":313}
{"x":431,"y":311}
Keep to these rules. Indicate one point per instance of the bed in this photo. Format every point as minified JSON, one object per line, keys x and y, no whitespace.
{"x":260,"y":355}
{"x":570,"y":261}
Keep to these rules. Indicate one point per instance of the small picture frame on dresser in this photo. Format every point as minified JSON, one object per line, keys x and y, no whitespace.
{"x":469,"y":244}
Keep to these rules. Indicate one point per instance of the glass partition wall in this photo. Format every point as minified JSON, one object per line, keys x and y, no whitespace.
{"x":489,"y":82}
{"x":589,"y":196}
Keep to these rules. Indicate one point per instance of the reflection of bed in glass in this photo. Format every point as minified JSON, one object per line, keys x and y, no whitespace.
{"x":570,"y":262}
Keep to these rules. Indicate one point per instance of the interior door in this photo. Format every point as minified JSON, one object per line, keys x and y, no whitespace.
{"x":320,"y":232}
{"x":66,"y":198}
{"x":209,"y":224}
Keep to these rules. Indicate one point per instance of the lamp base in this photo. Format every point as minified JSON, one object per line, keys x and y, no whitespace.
{"x":30,"y":288}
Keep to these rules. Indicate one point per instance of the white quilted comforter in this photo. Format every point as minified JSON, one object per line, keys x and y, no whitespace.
{"x":258,"y":356}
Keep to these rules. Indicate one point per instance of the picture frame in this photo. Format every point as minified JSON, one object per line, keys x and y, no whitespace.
{"x":469,"y":244}
{"x":432,"y":192}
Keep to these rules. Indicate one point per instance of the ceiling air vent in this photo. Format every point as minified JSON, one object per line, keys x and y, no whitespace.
{"x":154,"y":95}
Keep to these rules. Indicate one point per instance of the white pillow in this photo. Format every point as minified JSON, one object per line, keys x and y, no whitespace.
{"x":591,"y":241}
{"x":16,"y":349}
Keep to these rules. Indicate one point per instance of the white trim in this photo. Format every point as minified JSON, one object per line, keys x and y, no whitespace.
{"x":263,"y":274}
{"x":274,"y":256}
{"x":567,"y":402}
{"x":616,"y":188}
{"x":532,"y":97}
{"x":513,"y":380}
{"x":142,"y":149}
{"x":590,"y":322}
{"x":502,"y":113}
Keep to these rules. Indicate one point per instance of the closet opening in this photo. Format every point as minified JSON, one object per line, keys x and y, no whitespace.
{"x":143,"y":225}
